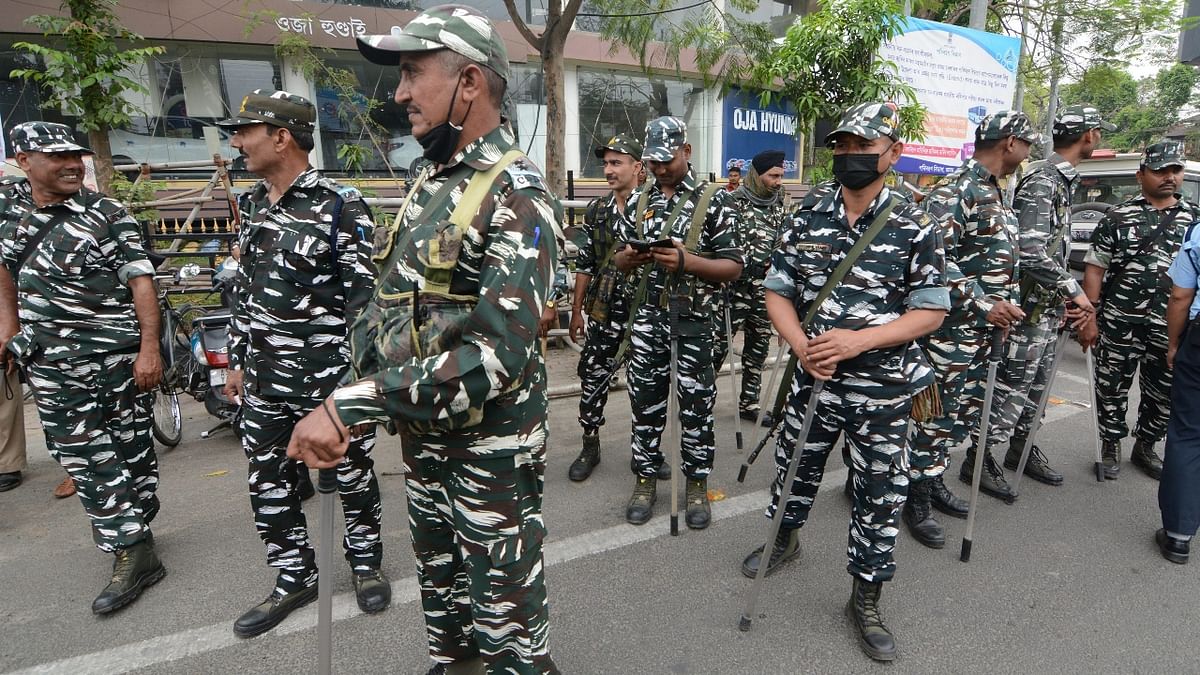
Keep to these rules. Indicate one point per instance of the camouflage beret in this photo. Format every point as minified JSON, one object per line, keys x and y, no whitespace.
{"x":869,"y":121}
{"x":1076,"y":119}
{"x":1163,"y":154}
{"x":277,"y":108}
{"x":462,"y":30}
{"x":44,"y":137}
{"x":623,"y":143}
{"x":663,"y":136}
{"x":1006,"y":123}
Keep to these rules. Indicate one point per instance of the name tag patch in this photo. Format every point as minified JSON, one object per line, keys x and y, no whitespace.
{"x":814,"y":247}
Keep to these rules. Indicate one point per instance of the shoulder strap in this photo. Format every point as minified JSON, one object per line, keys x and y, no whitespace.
{"x":389,"y":256}
{"x":32,"y":244}
{"x":844,"y":267}
{"x":1143,"y":246}
{"x":698,"y":216}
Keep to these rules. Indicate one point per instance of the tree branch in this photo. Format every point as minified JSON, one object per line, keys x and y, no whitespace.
{"x":534,"y":41}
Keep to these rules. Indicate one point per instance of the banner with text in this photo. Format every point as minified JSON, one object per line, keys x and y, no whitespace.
{"x":960,"y":75}
{"x":751,"y":128}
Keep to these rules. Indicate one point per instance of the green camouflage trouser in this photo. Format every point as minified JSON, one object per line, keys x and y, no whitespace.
{"x":477,"y":532}
{"x":595,"y":370}
{"x":879,"y":465}
{"x":747,"y":313}
{"x":959,"y":359}
{"x":266,"y":424}
{"x":649,"y":386}
{"x":1123,"y":347}
{"x":1021,"y":379}
{"x":97,"y":426}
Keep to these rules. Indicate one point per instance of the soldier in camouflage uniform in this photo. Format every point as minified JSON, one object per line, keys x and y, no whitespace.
{"x":861,"y":342}
{"x":695,"y":215}
{"x":1126,"y":279}
{"x":304,"y":274}
{"x":600,"y":291}
{"x":758,"y":213}
{"x":980,"y":233}
{"x":88,"y":341}
{"x":446,"y":351}
{"x":1043,"y":207}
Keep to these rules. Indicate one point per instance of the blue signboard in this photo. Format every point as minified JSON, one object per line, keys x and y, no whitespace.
{"x":751,"y":128}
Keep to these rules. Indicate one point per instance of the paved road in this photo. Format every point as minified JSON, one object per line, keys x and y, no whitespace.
{"x":1065,"y":580}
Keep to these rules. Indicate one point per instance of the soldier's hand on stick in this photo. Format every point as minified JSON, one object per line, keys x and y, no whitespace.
{"x":320,"y":440}
{"x":1088,"y":334}
{"x":1004,"y":314}
{"x":828,"y":349}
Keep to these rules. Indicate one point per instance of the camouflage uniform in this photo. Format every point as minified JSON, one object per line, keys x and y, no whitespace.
{"x":981,"y":244}
{"x":78,"y":341}
{"x":1132,"y":317}
{"x":650,"y":341}
{"x":304,"y":274}
{"x":756,"y":231}
{"x":456,"y":370}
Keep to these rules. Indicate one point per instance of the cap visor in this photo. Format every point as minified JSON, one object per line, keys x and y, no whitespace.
{"x":1155,"y":166}
{"x":600,"y":150}
{"x":387,"y":48}
{"x":64,"y":147}
{"x":239,"y":121}
{"x":1108,"y":126}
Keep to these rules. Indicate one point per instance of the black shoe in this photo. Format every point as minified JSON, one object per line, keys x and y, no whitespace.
{"x":372,"y":590}
{"x":1110,"y":454}
{"x":1037,"y":466}
{"x":1144,"y":458}
{"x":946,"y":501}
{"x":786,"y":547}
{"x":587,"y":460}
{"x":641,"y":504}
{"x":992,"y":483}
{"x":768,"y":420}
{"x":1175,"y":550}
{"x":9,"y":480}
{"x":748,"y":415}
{"x":267,"y":614}
{"x":863,"y":611}
{"x":304,"y":484}
{"x":918,"y":517}
{"x":698,"y":514}
{"x":135,"y":569}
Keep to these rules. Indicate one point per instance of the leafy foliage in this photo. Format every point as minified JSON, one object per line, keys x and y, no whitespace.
{"x":1142,"y":111}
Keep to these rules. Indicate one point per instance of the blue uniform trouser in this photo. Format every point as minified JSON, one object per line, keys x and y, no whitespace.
{"x":1179,"y":488}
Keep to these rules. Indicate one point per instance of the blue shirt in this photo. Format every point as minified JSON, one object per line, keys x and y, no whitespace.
{"x":1185,"y":271}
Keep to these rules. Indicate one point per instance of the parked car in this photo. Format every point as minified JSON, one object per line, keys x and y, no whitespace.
{"x":159,"y":140}
{"x":403,"y":152}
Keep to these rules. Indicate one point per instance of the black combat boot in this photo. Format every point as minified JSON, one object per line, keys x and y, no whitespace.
{"x":698,"y":513}
{"x":1037,"y":466}
{"x":863,"y":610}
{"x":946,"y":501}
{"x":641,"y":504}
{"x":587,"y":460}
{"x":748,"y":415}
{"x":768,"y":420}
{"x":992,"y":482}
{"x":135,"y":569}
{"x":918,"y":516}
{"x":1144,"y":458}
{"x":267,"y":614}
{"x":372,"y":590}
{"x":663,"y":472}
{"x":1110,"y":453}
{"x":786,"y":547}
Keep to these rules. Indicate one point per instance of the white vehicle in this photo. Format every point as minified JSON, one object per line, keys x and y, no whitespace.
{"x":1108,"y":179}
{"x":166,"y":139}
{"x":403,"y":152}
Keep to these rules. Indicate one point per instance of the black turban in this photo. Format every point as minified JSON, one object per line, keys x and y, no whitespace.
{"x":767,"y":160}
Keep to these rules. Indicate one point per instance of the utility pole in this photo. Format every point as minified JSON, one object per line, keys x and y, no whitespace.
{"x":978,"y":18}
{"x":1019,"y":94}
{"x":1056,"y":46}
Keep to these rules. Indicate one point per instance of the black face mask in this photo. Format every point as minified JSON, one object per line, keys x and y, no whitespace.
{"x":858,"y":170}
{"x":440,"y":142}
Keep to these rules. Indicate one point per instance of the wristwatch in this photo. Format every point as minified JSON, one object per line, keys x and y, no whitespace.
{"x":551,"y":304}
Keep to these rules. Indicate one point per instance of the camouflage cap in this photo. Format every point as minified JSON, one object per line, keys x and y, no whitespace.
{"x":44,"y":137}
{"x":1076,"y":119}
{"x":869,"y":121}
{"x":277,"y":108}
{"x":1163,"y":154}
{"x":663,"y":136}
{"x":460,"y":29}
{"x":621,"y":143}
{"x":1006,"y":123}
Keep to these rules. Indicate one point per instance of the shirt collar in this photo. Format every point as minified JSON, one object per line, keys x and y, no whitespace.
{"x":684,"y":186}
{"x":304,"y":180}
{"x":1064,"y":167}
{"x":980,"y":171}
{"x":484,"y":152}
{"x":830,"y":202}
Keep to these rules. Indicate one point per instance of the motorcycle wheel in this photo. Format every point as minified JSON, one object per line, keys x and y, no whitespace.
{"x":168,"y":421}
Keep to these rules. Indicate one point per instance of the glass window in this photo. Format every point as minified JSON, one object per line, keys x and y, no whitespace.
{"x":532,"y":11}
{"x":340,"y":122}
{"x":613,"y":102}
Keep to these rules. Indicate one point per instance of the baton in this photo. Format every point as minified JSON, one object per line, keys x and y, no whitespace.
{"x":981,"y":445}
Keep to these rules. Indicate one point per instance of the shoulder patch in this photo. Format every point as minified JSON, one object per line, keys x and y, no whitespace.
{"x":349,"y":193}
{"x":524,"y":174}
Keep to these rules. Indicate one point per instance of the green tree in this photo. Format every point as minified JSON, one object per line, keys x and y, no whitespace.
{"x":1107,"y":87}
{"x":86,"y":71}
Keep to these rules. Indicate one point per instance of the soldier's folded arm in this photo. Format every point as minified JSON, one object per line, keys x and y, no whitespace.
{"x":498,"y":336}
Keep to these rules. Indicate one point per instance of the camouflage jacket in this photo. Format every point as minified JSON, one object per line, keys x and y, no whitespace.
{"x":717,"y":240}
{"x":305,"y":272}
{"x":465,"y":379}
{"x":73,"y":292}
{"x":981,"y":240}
{"x":1043,"y":206}
{"x":602,"y":230}
{"x":1142,"y":284}
{"x":756,"y":231}
{"x":903,"y":268}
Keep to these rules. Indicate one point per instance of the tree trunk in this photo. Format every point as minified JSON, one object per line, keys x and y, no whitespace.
{"x":98,"y":140}
{"x":556,"y":122}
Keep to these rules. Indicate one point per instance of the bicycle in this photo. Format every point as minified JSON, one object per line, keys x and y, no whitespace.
{"x":178,"y":364}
